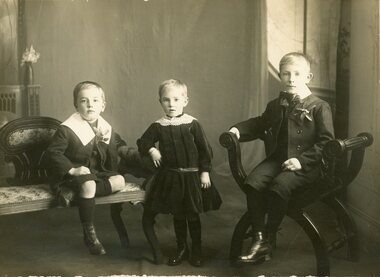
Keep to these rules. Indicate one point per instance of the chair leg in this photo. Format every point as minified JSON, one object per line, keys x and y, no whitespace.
{"x":349,"y":228}
{"x":148,"y":227}
{"x":238,"y":237}
{"x":119,"y":224}
{"x":319,"y":245}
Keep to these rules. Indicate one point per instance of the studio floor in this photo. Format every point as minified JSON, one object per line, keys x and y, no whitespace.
{"x":49,"y":243}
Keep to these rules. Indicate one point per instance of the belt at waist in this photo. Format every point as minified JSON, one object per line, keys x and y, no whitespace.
{"x":183,"y":170}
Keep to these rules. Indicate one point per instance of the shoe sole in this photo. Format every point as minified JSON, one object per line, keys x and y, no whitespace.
{"x":259,"y":260}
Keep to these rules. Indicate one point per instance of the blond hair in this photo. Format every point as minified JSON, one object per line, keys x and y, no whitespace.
{"x":170,"y":84}
{"x":84,"y":85}
{"x":294,"y":56}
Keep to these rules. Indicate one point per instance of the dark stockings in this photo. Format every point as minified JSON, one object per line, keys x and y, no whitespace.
{"x":256,"y":208}
{"x":276,"y":212}
{"x":86,"y":214}
{"x":86,"y":208}
{"x":180,"y":229}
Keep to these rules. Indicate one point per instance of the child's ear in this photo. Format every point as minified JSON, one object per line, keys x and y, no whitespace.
{"x":104,"y":106}
{"x":186,"y":101}
{"x":309,"y":77}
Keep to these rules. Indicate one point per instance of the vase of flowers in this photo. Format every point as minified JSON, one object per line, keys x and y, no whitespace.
{"x":29,"y":57}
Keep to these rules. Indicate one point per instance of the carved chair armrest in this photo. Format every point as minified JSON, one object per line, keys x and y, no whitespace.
{"x":229,"y":141}
{"x":337,"y":148}
{"x":332,"y":151}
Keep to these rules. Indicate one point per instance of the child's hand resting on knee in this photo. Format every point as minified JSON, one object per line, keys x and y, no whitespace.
{"x":205,"y":180}
{"x":292,"y":164}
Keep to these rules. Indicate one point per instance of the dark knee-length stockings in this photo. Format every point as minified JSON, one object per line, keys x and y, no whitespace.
{"x":259,"y":203}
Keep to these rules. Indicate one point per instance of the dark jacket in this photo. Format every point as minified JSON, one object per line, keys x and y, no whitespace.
{"x":310,"y":126}
{"x":67,"y":151}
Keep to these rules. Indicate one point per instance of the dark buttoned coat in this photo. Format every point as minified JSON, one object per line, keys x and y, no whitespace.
{"x":66,"y":151}
{"x":310,"y":127}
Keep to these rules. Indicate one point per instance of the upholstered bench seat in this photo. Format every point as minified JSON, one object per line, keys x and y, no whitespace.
{"x":20,"y":199}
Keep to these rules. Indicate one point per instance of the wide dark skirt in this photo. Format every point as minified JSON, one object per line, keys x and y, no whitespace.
{"x":181,"y":194}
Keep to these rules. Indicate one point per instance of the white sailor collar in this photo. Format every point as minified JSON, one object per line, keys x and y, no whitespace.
{"x":83,"y":130}
{"x":175,"y":121}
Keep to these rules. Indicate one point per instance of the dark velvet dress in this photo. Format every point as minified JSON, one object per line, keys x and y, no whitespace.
{"x":186,"y":153}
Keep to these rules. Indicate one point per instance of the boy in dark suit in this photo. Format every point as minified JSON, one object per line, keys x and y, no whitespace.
{"x":295,"y":127}
{"x":83,"y":156}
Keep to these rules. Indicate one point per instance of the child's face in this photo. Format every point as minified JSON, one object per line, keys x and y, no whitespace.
{"x":295,"y":76}
{"x":90,"y":103}
{"x":173,"y":101}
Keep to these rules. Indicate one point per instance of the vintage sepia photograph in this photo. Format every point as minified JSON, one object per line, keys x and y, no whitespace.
{"x":189,"y":138}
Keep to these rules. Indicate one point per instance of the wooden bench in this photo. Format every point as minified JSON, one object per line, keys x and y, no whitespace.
{"x":23,"y":142}
{"x":338,"y":175}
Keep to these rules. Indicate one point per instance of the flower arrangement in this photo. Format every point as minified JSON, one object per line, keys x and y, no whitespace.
{"x":29,"y":56}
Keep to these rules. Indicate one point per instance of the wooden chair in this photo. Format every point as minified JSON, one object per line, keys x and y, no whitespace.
{"x":23,"y":142}
{"x":328,"y":189}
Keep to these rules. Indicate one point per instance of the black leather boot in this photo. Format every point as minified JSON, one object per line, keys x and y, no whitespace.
{"x":182,"y":254}
{"x":196,"y":255}
{"x":259,"y":251}
{"x":91,"y":240}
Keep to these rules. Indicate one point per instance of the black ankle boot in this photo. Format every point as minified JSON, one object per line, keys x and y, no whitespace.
{"x":91,"y":240}
{"x":259,"y":251}
{"x":181,"y":254}
{"x":196,"y":255}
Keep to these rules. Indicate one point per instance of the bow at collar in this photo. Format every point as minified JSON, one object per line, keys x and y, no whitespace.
{"x":287,"y":98}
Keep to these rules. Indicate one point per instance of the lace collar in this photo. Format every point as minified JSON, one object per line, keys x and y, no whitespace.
{"x":175,"y":121}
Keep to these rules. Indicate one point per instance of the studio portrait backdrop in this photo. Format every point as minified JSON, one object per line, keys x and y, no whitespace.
{"x":217,"y":47}
{"x":227,"y":53}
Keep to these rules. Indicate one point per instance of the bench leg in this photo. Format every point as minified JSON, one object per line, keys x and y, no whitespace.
{"x":238,"y":237}
{"x":349,"y":228}
{"x":320,"y":249}
{"x":119,"y":224}
{"x":148,"y":227}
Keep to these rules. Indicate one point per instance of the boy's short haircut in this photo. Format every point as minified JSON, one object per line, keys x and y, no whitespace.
{"x":171,"y":83}
{"x":84,"y":85}
{"x":292,"y":56}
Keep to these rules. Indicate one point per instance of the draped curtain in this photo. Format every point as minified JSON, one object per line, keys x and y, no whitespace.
{"x":255,"y":97}
{"x":217,"y":47}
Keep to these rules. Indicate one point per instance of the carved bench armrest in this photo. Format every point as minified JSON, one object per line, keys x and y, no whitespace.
{"x":229,"y":141}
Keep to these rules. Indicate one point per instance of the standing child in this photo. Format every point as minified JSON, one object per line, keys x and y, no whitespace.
{"x":83,"y":156}
{"x":182,"y":185}
{"x":294,"y":127}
